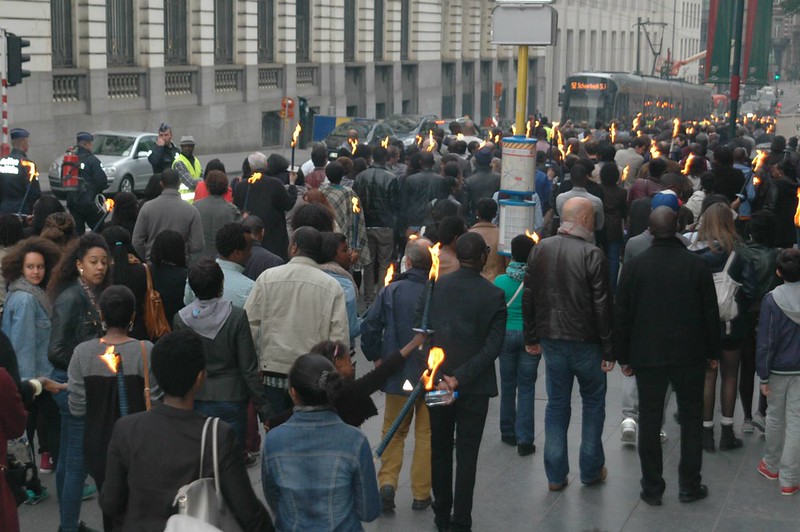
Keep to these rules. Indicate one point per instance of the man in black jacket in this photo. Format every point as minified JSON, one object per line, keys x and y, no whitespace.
{"x":482,"y":183}
{"x":667,"y":330}
{"x":468,"y":315}
{"x":92,"y":181}
{"x":566,"y":308}
{"x":164,"y":152}
{"x":378,"y":189}
{"x":420,"y":191}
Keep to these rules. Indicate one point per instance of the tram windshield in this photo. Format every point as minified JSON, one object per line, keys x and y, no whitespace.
{"x":589,"y":99}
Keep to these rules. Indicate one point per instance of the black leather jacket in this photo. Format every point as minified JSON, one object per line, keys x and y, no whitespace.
{"x":162,"y":157}
{"x":93,"y":180}
{"x":567,"y":295}
{"x":74,"y":320}
{"x":379,"y":191}
{"x":419,"y":191}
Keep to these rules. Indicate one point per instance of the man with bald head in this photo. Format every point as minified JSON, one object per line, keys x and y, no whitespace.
{"x":666,"y":332}
{"x":468,"y":315}
{"x":566,"y":309}
{"x":387,"y":327}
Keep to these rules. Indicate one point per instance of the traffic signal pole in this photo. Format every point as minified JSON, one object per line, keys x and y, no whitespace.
{"x":5,"y":146}
{"x":522,"y":88}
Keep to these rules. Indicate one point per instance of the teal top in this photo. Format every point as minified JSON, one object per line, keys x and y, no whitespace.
{"x":509,"y":285}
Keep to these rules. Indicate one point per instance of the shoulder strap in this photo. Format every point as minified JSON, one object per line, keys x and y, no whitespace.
{"x":146,"y":376}
{"x":729,"y":262}
{"x":203,"y":445}
{"x":216,"y":460}
{"x":149,"y":277}
{"x":514,"y":297}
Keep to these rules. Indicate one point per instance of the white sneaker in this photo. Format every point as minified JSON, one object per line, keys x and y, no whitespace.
{"x":629,"y":428}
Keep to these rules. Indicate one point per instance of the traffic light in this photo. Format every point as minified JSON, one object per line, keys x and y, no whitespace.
{"x":16,"y":58}
{"x":777,"y":76}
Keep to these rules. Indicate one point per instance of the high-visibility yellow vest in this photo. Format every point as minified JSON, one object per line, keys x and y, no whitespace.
{"x":195,"y":170}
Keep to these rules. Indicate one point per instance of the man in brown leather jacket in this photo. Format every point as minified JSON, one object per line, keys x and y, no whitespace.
{"x":567,"y":316}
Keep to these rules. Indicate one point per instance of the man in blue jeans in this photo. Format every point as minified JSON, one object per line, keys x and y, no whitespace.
{"x":567,"y":316}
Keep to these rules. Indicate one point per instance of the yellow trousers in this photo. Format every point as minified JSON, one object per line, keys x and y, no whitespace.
{"x":392,"y":458}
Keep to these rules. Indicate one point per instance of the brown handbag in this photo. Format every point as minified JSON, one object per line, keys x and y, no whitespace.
{"x":155,"y":320}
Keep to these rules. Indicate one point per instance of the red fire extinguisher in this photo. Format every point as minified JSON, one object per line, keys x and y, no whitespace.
{"x":70,"y":167}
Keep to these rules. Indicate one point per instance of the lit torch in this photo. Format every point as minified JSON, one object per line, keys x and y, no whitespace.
{"x":385,"y":142}
{"x":353,"y":145}
{"x":625,"y":173}
{"x":32,"y":175}
{"x":637,"y":121}
{"x":613,"y":133}
{"x":528,"y":129}
{"x":426,"y":382}
{"x":356,"y":210}
{"x":107,"y":206}
{"x":433,"y":276}
{"x":253,"y":179}
{"x":114,"y":362}
{"x":687,"y":166}
{"x":459,"y":136}
{"x":419,"y":139}
{"x":295,"y":136}
{"x":389,"y":274}
{"x":676,"y":127}
{"x":513,"y":129}
{"x":760,"y":160}
{"x":431,"y":142}
{"x":797,"y":210}
{"x":533,"y":236}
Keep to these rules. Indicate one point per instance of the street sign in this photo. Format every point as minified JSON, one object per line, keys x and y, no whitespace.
{"x":521,"y":23}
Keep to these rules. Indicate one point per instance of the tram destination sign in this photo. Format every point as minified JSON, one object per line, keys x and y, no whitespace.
{"x":524,"y":24}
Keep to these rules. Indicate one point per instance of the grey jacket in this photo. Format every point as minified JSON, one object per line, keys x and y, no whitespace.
{"x":214,"y":213}
{"x":168,"y":211}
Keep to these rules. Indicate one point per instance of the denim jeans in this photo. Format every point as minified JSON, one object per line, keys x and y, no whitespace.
{"x":518,"y":371}
{"x":71,"y":469}
{"x":564,"y":362}
{"x":234,"y":413}
{"x":614,"y":253}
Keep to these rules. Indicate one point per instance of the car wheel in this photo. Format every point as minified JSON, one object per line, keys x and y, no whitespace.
{"x":126,"y":185}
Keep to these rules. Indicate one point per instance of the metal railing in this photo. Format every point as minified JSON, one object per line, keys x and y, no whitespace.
{"x":269,"y":78}
{"x":68,"y":88}
{"x":125,"y":85}
{"x":307,"y":76}
{"x":227,"y":80}
{"x":179,"y":82}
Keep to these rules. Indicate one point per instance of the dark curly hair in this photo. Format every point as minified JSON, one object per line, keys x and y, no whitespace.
{"x":66,"y":271}
{"x":15,"y":258}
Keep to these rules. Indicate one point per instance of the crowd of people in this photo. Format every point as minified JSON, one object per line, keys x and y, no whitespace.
{"x":667,"y":249}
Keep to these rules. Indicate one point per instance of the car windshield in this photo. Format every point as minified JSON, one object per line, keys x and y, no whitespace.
{"x":116,"y":145}
{"x":342,"y":129}
{"x":403,"y":124}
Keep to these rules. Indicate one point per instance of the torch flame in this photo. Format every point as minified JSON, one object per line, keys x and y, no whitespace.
{"x":497,"y":138}
{"x":625,"y":173}
{"x":637,"y":121}
{"x":434,"y":250}
{"x":32,"y":173}
{"x":688,"y":164}
{"x":528,"y":129}
{"x":759,"y":160}
{"x":771,"y":129}
{"x":560,"y":142}
{"x":676,"y":127}
{"x":353,"y":145}
{"x":756,"y":181}
{"x":797,"y":211}
{"x":413,"y":237}
{"x":419,"y":139}
{"x":109,"y":204}
{"x":435,"y":359}
{"x":385,"y":142}
{"x":459,"y":136}
{"x":654,"y":153}
{"x":533,"y":236}
{"x":356,"y":208}
{"x":111,"y":358}
{"x":513,"y":129}
{"x":431,"y":142}
{"x":253,"y":178}
{"x":296,"y":135}
{"x":613,"y":133}
{"x":389,"y":275}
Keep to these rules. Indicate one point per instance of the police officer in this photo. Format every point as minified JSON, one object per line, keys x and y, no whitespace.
{"x":164,"y":152}
{"x":92,"y":180}
{"x":15,"y":175}
{"x":186,"y":164}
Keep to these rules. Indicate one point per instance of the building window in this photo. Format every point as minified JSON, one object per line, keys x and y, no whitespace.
{"x":119,"y":32}
{"x":266,"y":31}
{"x":378,"y":35}
{"x":175,"y":34}
{"x":349,"y":30}
{"x":223,"y":32}
{"x":61,"y":30}
{"x":405,"y":31}
{"x":303,"y":18}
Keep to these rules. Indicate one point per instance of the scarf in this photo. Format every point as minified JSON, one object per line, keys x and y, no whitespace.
{"x":23,"y":285}
{"x":573,"y":229}
{"x":206,"y":317}
{"x":787,"y":297}
{"x":334,"y":267}
{"x":516,"y":270}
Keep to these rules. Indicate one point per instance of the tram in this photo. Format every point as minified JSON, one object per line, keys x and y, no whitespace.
{"x":607,"y":96}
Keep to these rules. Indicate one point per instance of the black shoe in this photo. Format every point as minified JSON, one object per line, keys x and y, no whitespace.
{"x":509,"y":440}
{"x":652,"y":500}
{"x":421,"y":504}
{"x":524,"y":449}
{"x":387,"y":498}
{"x":695,"y":495}
{"x":708,"y":439}
{"x":727,"y":440}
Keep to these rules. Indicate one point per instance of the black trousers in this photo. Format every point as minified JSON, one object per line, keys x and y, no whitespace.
{"x":84,"y":215}
{"x":465,"y":419}
{"x":688,"y":383}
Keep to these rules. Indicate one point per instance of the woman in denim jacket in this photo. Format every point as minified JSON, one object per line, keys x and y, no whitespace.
{"x":317,"y":472}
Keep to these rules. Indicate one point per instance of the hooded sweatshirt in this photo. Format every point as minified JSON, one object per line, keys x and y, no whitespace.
{"x":778,"y":343}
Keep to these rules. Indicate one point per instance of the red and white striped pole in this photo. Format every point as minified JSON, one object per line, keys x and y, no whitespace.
{"x":5,"y":146}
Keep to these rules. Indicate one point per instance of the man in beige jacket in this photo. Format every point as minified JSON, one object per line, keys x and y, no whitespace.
{"x":495,"y":264}
{"x":291,"y":308}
